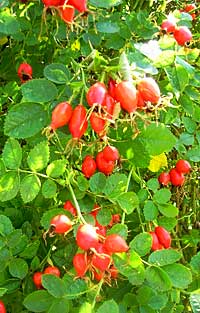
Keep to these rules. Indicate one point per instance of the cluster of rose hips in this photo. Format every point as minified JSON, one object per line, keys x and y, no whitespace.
{"x":66,"y":8}
{"x":181,"y":34}
{"x":190,"y":9}
{"x":37,"y":276}
{"x":176,"y":174}
{"x":104,"y":162}
{"x":161,"y":238}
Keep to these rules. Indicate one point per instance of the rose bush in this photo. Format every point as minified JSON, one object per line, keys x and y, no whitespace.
{"x":95,"y":107}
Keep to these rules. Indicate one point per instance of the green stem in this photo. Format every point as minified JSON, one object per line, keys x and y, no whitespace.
{"x":97,"y":293}
{"x":80,"y":216}
{"x":127,"y":185}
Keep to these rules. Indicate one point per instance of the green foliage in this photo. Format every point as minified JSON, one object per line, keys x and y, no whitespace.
{"x":41,"y":168}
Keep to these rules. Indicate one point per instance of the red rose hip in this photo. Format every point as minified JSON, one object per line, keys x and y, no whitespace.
{"x":163,"y":236}
{"x":164,"y":178}
{"x":88,"y":166}
{"x":176,"y":178}
{"x":183,"y":166}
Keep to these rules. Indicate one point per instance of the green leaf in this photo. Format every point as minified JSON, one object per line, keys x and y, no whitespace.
{"x":74,"y":287}
{"x":86,"y":307}
{"x":164,"y":257}
{"x":128,"y":201}
{"x":104,"y":217}
{"x":194,"y":154}
{"x":83,"y":183}
{"x":141,"y":244}
{"x":25,"y":120}
{"x":97,"y":182}
{"x":150,"y":211}
{"x":109,"y":306}
{"x":153,"y":184}
{"x":3,"y":291}
{"x":168,"y":210}
{"x":179,"y":274}
{"x":14,"y":238}
{"x":30,"y":187}
{"x":49,"y":189}
{"x":195,"y":302}
{"x":5,"y":225}
{"x":5,"y":257}
{"x":105,"y":3}
{"x":120,"y":229}
{"x":195,"y":262}
{"x":57,"y":73}
{"x":115,"y":184}
{"x":54,"y":285}
{"x":165,"y":58}
{"x":157,"y":139}
{"x":31,"y":250}
{"x":39,"y":90}
{"x":162,"y":196}
{"x":59,"y":306}
{"x":2,"y":168}
{"x":158,"y":302}
{"x":38,"y":301}
{"x":12,"y":154}
{"x":9,"y":186}
{"x":178,"y":77}
{"x":8,"y":24}
{"x":56,"y":168}
{"x":107,"y":27}
{"x":38,"y":157}
{"x":158,"y":279}
{"x":18,"y":268}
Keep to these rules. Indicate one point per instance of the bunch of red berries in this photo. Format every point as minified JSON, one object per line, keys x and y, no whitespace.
{"x":176,"y":174}
{"x":37,"y":276}
{"x":161,"y":238}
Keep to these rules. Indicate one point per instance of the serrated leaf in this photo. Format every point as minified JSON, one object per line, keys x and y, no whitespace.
{"x":195,"y":302}
{"x":60,"y":306}
{"x":74,"y":287}
{"x":49,"y":189}
{"x":18,"y":268}
{"x":56,"y":168}
{"x":195,"y":262}
{"x":157,"y":139}
{"x":168,"y":210}
{"x":179,"y":274}
{"x":8,"y":24}
{"x":57,"y":73}
{"x":109,"y":306}
{"x":30,"y":187}
{"x":5,"y":225}
{"x":115,"y":184}
{"x":164,"y":257}
{"x":54,"y":285}
{"x":25,"y":120}
{"x":162,"y":196}
{"x":120,"y":229}
{"x":12,"y":154}
{"x":5,"y":257}
{"x":97,"y":182}
{"x":9,"y":186}
{"x":128,"y":201}
{"x":38,"y":301}
{"x":158,"y":279}
{"x":39,"y":90}
{"x":141,"y":244}
{"x":104,"y":217}
{"x":107,"y":27}
{"x":38,"y":157}
{"x":31,"y":250}
{"x":150,"y":211}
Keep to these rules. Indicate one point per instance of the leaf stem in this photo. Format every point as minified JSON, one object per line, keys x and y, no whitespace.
{"x":97,"y":293}
{"x":80,"y":216}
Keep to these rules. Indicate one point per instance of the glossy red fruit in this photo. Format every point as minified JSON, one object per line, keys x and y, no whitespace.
{"x":2,"y":307}
{"x":156,"y":245}
{"x":111,"y":87}
{"x":88,"y":166}
{"x":98,"y":123}
{"x":104,"y":166}
{"x":110,"y":153}
{"x":51,"y":2}
{"x":78,"y":122}
{"x":190,"y":7}
{"x":163,"y":236}
{"x":100,"y":229}
{"x":61,"y":115}
{"x":68,"y":206}
{"x":80,"y":263}
{"x":37,"y":279}
{"x":67,"y":14}
{"x":115,"y":243}
{"x":149,"y":90}
{"x":140,"y":101}
{"x":87,"y":237}
{"x":109,"y":105}
{"x":25,"y":72}
{"x":116,"y":218}
{"x":53,"y":270}
{"x":164,"y":178}
{"x":96,"y":94}
{"x":61,"y":223}
{"x":102,"y":260}
{"x":182,"y":35}
{"x":176,"y":178}
{"x":169,"y":25}
{"x":126,"y":94}
{"x":183,"y":166}
{"x":98,"y":275}
{"x":80,"y":5}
